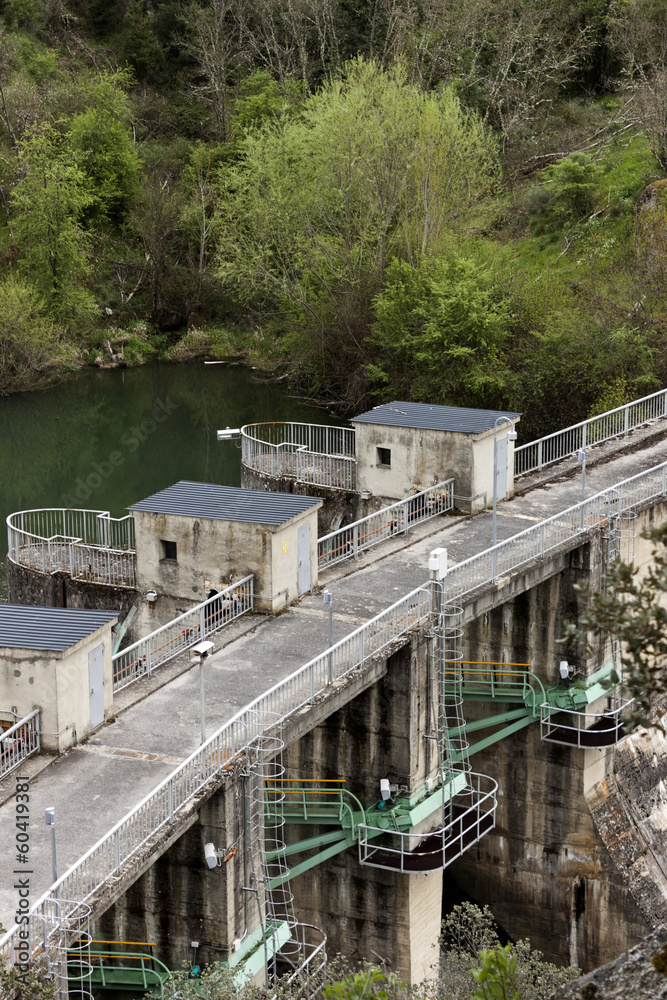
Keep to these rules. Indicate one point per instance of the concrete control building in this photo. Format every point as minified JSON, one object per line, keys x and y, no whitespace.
{"x":403,"y":447}
{"x":193,"y":539}
{"x":58,"y":660}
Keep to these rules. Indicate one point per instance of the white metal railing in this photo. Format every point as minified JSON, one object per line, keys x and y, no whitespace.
{"x":473,"y":816}
{"x":583,"y":729}
{"x":312,"y":942}
{"x":142,"y":657}
{"x":87,"y":544}
{"x":554,"y":447}
{"x":349,"y":541}
{"x":535,"y":542}
{"x":19,"y":742}
{"x":105,"y":860}
{"x":310,"y":453}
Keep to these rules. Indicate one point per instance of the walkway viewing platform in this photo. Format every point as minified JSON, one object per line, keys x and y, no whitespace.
{"x":326,"y":455}
{"x":157,"y":719}
{"x":88,"y":545}
{"x":309,"y":453}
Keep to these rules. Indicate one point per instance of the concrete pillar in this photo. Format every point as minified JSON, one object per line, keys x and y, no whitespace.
{"x":370,"y":913}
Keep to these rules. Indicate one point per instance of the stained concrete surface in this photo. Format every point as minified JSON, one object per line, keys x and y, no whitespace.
{"x":92,"y":790}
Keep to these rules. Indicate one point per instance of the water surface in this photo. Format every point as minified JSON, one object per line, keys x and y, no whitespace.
{"x":106,"y":439}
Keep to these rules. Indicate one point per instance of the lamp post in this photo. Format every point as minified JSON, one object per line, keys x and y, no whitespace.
{"x":511,"y":436}
{"x":200,"y":652}
{"x":50,"y":820}
{"x":581,"y":458}
{"x":328,"y":603}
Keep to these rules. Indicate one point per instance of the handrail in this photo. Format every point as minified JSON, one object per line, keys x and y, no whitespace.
{"x":597,"y":734}
{"x":344,"y":807}
{"x":166,"y":642}
{"x":521,"y":681}
{"x":396,"y":519}
{"x":320,"y":454}
{"x":455,"y":836}
{"x":87,"y":544}
{"x":554,"y":447}
{"x":104,"y":860}
{"x":301,"y":688}
{"x":559,"y":529}
{"x":25,"y":738}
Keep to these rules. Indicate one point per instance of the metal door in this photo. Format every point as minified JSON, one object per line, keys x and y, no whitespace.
{"x":96,"y":686}
{"x":303,"y":555}
{"x":501,"y":469}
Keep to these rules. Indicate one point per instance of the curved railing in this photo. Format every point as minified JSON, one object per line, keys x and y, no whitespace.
{"x":309,"y":453}
{"x":498,"y":681}
{"x":592,"y":730}
{"x":89,"y":545}
{"x":105,"y":860}
{"x":473,"y":815}
{"x":307,"y":978}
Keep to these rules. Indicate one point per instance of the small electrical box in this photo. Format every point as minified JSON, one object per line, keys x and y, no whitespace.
{"x":437,"y":563}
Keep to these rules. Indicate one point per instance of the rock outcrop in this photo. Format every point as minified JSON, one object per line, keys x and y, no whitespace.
{"x":639,"y":974}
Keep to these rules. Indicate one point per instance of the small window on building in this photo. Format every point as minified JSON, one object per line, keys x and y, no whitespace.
{"x":384,"y":456}
{"x":169,"y":550}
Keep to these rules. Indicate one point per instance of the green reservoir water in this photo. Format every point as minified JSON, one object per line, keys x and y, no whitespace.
{"x":106,"y":439}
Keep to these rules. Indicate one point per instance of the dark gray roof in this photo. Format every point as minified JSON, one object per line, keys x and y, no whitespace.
{"x":226,"y":503}
{"x":24,"y":626}
{"x":438,"y":418}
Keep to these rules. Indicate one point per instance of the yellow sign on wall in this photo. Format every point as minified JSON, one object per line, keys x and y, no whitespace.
{"x":284,"y":547}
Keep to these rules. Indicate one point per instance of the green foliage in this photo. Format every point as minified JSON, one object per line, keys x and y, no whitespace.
{"x":470,"y":940}
{"x":31,"y":353}
{"x":101,"y":144}
{"x":632,"y":608}
{"x":48,"y":202}
{"x":372,"y":168}
{"x":139,"y":47}
{"x":370,"y":982}
{"x":30,"y":984}
{"x":496,"y":980}
{"x":440,"y":329}
{"x":570,"y":192}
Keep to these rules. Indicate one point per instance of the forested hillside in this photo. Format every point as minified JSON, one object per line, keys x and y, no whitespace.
{"x":380,"y":198}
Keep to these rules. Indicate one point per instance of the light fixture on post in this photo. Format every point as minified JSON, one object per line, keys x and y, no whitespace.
{"x":328,"y":603}
{"x":566,"y":670}
{"x":50,"y":820}
{"x":581,"y":458}
{"x":511,"y":436}
{"x":199,"y":653}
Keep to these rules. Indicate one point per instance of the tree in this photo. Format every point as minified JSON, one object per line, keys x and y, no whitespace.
{"x":471,"y":952}
{"x":54,"y":249}
{"x":638,"y":34}
{"x":31,"y":353}
{"x":214,"y":44}
{"x":633,"y":609}
{"x":370,"y":170}
{"x":496,"y":980}
{"x":440,"y":329}
{"x":101,"y":145}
